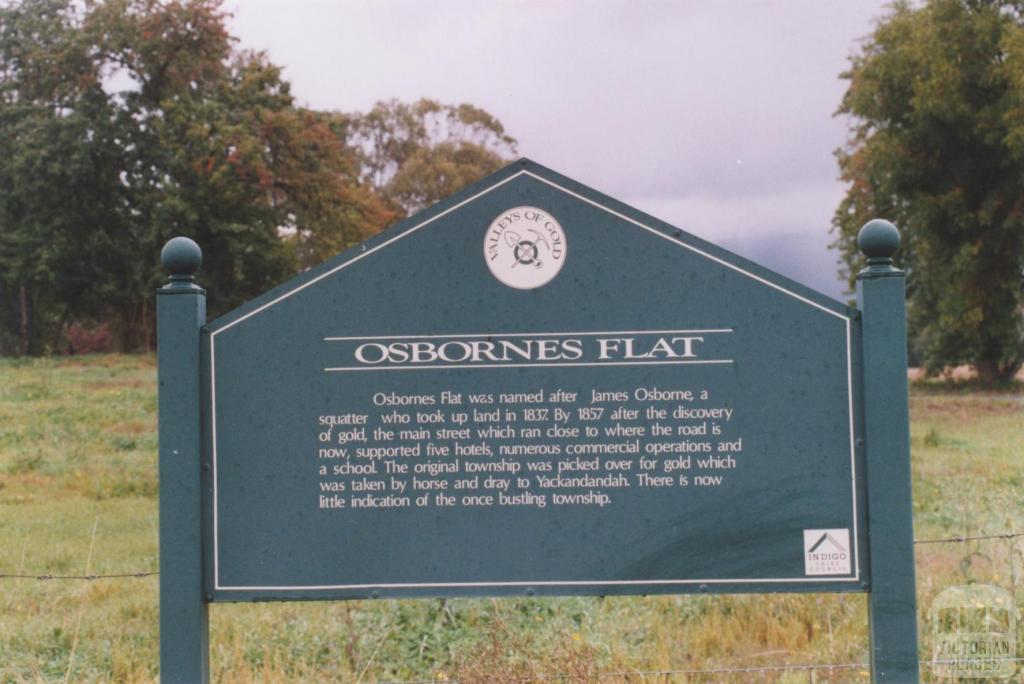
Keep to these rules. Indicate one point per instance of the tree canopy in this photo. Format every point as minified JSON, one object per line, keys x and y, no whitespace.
{"x":936,"y":105}
{"x":127,"y":122}
{"x":416,"y":154}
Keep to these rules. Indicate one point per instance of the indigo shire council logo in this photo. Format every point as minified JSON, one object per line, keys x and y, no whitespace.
{"x":524,"y":247}
{"x":827,"y":552}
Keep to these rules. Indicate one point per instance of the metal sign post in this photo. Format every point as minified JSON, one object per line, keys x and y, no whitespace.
{"x":892,"y":601}
{"x":181,"y":312}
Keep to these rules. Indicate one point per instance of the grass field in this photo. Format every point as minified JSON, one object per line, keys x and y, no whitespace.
{"x":78,"y":496}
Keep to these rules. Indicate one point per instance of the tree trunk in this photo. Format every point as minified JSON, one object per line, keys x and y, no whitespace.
{"x":991,"y":372}
{"x":126,"y":325}
{"x":23,"y":300}
{"x":147,"y":328}
{"x":59,"y":337}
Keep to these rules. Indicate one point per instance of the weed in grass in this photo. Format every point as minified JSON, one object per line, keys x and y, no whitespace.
{"x":26,"y":463}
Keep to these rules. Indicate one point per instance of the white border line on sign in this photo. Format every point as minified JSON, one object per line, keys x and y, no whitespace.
{"x":531,"y":334}
{"x":568,"y":364}
{"x":673,"y":240}
{"x":543,"y":583}
{"x":853,"y":450}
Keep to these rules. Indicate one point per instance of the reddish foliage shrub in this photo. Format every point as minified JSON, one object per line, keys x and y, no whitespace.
{"x":88,"y":338}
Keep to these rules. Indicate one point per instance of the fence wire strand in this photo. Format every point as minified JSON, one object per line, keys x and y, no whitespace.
{"x":796,"y":667}
{"x":152,"y":573}
{"x":806,"y":667}
{"x":961,"y":540}
{"x":89,"y":578}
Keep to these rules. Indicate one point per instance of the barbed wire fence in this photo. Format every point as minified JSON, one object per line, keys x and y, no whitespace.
{"x":812,"y":669}
{"x":631,"y":675}
{"x":153,"y":573}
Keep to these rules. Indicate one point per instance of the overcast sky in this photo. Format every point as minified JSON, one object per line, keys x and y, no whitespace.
{"x":714,"y":116}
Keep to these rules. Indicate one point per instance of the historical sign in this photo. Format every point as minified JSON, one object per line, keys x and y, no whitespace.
{"x":532,"y":388}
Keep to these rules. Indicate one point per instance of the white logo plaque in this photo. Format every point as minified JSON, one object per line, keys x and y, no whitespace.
{"x":827,"y":552}
{"x":524,"y":247}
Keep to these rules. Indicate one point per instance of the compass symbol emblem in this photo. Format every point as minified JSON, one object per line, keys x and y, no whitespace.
{"x":524,"y":247}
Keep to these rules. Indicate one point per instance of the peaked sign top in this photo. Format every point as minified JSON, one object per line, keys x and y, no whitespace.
{"x":523,"y":176}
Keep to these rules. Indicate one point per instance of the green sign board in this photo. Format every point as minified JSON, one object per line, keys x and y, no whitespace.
{"x":529,"y":388}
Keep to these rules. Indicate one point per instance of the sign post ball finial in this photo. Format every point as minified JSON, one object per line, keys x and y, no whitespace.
{"x":181,"y":256}
{"x":878,"y":239}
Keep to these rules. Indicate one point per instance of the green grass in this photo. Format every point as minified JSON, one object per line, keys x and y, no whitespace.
{"x":78,"y":449}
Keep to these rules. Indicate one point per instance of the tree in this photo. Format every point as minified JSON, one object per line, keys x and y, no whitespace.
{"x":936,"y":103}
{"x":416,"y":154}
{"x":127,"y":122}
{"x":57,"y":173}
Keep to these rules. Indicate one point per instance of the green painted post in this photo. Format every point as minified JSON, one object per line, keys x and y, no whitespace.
{"x":892,"y":602}
{"x":181,"y":312}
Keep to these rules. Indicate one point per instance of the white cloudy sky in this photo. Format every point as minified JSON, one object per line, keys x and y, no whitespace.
{"x":714,"y":115}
